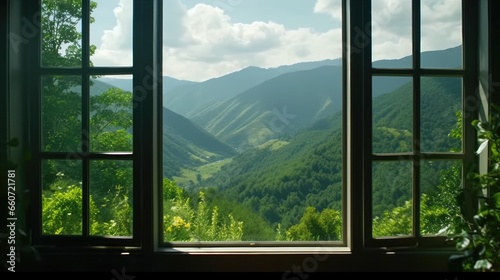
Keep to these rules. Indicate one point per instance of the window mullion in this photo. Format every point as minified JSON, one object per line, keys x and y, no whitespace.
{"x":473,"y":102}
{"x":416,"y":27}
{"x":145,"y":92}
{"x":357,"y":54}
{"x":85,"y":117}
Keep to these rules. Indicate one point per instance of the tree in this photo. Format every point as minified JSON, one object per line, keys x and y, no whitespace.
{"x":61,"y":95}
{"x":315,"y":226}
{"x":60,"y":36}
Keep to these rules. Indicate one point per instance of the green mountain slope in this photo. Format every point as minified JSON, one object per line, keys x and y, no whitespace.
{"x":188,"y":100}
{"x":185,"y":144}
{"x":291,"y":101}
{"x":282,"y":105}
{"x":280,"y":183}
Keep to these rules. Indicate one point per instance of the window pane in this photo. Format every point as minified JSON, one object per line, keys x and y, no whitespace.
{"x":441,"y":30}
{"x":111,"y":114}
{"x":111,"y":33}
{"x":252,"y":145}
{"x":441,"y":110}
{"x":61,"y":114}
{"x":391,"y":34}
{"x":441,"y":182}
{"x":392,"y":200}
{"x":61,"y":33}
{"x":111,"y":198}
{"x":392,"y":114}
{"x":61,"y":197}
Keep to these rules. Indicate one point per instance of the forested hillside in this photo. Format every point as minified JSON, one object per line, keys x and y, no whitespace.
{"x":306,"y":170}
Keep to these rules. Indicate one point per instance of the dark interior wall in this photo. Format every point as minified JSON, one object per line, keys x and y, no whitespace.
{"x":17,"y":124}
{"x":3,"y":75}
{"x":3,"y":102}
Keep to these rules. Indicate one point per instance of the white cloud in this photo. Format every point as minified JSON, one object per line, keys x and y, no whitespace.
{"x":391,"y":23}
{"x":331,"y":7}
{"x":116,"y":46}
{"x":391,"y":29}
{"x":204,"y":42}
{"x":213,"y":45}
{"x":441,"y":24}
{"x":173,"y":30}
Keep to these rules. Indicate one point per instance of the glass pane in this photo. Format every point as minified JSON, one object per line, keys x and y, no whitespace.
{"x":111,"y":198}
{"x":441,"y":110}
{"x":61,"y":197}
{"x":61,"y":33}
{"x":392,"y":199}
{"x":252,"y":134}
{"x":111,"y":33}
{"x":111,"y":117}
{"x":392,"y":114}
{"x":391,"y":34}
{"x":441,"y":34}
{"x":441,"y":182}
{"x":61,"y":114}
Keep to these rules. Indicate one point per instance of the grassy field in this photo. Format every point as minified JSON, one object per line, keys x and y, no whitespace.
{"x":190,"y":176}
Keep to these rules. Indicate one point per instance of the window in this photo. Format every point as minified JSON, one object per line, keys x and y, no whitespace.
{"x":418,"y":156}
{"x":367,"y":154}
{"x":86,"y":133}
{"x":258,"y":160}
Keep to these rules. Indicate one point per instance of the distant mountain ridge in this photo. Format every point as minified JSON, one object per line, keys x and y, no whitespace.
{"x":189,"y":99}
{"x":248,"y":107}
{"x":295,"y":100}
{"x":281,"y":105}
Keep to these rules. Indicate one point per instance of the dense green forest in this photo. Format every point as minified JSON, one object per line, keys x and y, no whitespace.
{"x":288,"y":188}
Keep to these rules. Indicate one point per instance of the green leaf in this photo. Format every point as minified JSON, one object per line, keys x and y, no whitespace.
{"x":463,"y":243}
{"x":482,"y":147}
{"x":496,"y":198}
{"x":482,"y":265}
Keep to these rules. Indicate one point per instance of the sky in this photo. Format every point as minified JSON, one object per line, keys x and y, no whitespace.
{"x":204,"y":39}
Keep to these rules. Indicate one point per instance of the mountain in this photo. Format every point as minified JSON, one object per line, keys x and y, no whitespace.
{"x":306,"y":169}
{"x":126,"y":83}
{"x":185,"y":144}
{"x":447,"y":58}
{"x":188,"y":100}
{"x":288,"y":102}
{"x":279,"y":106}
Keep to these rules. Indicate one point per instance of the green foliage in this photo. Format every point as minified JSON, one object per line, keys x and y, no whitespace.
{"x":183,"y":221}
{"x":395,"y":222}
{"x":434,"y":219}
{"x":316,"y":226}
{"x":111,"y":121}
{"x":117,"y":221}
{"x":479,"y":238}
{"x":62,"y":210}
